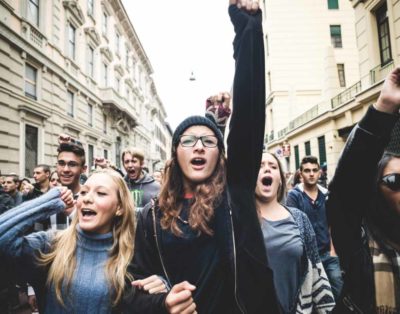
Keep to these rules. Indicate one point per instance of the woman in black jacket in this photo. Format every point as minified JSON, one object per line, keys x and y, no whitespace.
{"x":188,"y":235}
{"x":365,"y":215}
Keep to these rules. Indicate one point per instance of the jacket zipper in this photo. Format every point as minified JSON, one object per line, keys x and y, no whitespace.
{"x":158,"y":247}
{"x":234,"y":263}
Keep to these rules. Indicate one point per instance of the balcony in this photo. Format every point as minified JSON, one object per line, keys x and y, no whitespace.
{"x":345,"y":96}
{"x":374,"y":76}
{"x":117,"y":105}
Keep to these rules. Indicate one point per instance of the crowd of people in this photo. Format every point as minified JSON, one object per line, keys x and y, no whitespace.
{"x":219,"y":230}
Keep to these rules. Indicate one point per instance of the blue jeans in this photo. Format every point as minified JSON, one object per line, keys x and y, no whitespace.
{"x":334,"y":273}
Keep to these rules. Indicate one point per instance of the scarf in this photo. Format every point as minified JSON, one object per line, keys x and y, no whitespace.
{"x":386,"y":262}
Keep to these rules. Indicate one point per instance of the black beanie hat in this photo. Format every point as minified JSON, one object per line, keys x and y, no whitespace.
{"x":196,"y":120}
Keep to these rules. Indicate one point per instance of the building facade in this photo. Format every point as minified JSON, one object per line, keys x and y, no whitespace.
{"x":75,"y":67}
{"x":357,"y":56}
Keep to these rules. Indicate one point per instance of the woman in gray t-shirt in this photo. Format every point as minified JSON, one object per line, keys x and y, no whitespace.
{"x":299,"y":278}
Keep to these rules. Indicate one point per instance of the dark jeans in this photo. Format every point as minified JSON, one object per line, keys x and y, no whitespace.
{"x":334,"y":273}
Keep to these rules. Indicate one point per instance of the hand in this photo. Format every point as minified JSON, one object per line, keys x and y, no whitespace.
{"x":246,"y":5}
{"x":64,"y":138}
{"x":68,"y":198}
{"x":179,"y":299}
{"x":389,"y":99}
{"x":32,"y":303}
{"x":101,"y":162}
{"x":152,"y":285}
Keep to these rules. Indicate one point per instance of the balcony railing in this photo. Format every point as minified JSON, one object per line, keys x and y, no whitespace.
{"x":379,"y":73}
{"x":346,"y":95}
{"x":374,"y":76}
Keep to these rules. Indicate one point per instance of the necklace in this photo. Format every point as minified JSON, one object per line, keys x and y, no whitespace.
{"x":182,"y":220}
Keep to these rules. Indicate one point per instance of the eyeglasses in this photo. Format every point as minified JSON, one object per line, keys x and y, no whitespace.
{"x":191,"y":140}
{"x":69,"y":164}
{"x":392,"y":181}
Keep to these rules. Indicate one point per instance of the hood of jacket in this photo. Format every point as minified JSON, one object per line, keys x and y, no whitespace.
{"x":146,"y":179}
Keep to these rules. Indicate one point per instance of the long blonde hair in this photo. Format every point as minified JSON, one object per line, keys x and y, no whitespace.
{"x":61,"y":260}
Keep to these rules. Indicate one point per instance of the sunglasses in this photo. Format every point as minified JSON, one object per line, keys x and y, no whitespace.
{"x":392,"y":181}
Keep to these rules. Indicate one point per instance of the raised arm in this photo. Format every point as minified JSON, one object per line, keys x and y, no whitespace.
{"x":246,"y":129}
{"x":352,"y":186}
{"x":15,"y":222}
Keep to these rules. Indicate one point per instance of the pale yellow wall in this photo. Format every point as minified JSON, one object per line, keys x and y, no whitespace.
{"x":349,"y":112}
{"x":298,"y":39}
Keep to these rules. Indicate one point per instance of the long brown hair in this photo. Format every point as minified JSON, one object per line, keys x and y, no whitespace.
{"x":61,"y":260}
{"x":207,"y":196}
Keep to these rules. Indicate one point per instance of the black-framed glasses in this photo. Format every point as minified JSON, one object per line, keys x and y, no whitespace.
{"x":191,"y":140}
{"x":69,"y":164}
{"x":392,"y":181}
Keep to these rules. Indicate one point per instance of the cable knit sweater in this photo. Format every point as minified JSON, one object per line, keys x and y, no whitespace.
{"x":89,"y":291}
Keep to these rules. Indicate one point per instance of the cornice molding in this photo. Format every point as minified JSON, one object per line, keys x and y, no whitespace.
{"x":76,"y":11}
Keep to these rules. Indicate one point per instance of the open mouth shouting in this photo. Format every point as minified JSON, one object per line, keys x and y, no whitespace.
{"x":198,"y":163}
{"x":87,"y":213}
{"x":132,"y":173}
{"x":266,"y":181}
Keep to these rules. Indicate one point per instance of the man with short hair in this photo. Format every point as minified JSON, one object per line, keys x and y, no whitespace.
{"x":310,"y":198}
{"x":10,"y":186}
{"x":142,"y":186}
{"x":70,"y":166}
{"x":41,"y":174}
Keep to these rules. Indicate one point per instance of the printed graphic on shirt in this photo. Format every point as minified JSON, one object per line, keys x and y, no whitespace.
{"x":137,"y":198}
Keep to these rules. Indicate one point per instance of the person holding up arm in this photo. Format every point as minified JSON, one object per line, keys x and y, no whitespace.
{"x":202,"y":234}
{"x":365,"y":217}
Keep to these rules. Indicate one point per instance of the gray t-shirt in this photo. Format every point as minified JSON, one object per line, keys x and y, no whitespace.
{"x":284,"y":252}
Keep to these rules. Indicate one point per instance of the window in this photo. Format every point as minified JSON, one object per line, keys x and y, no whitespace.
{"x":104,"y":24}
{"x":31,"y":149}
{"x":90,"y":61}
{"x":342,"y":77}
{"x":322,"y":149}
{"x":333,"y":4}
{"x":307,"y":148}
{"x":30,"y":82}
{"x":90,"y":115}
{"x":127,"y":57}
{"x":128,"y":93}
{"x":384,"y":35}
{"x":105,"y":75}
{"x":70,"y":103}
{"x":105,"y":154}
{"x":336,"y":36}
{"x":71,"y":41}
{"x":117,"y":84}
{"x":104,"y":123}
{"x":297,"y":157}
{"x":118,"y":152}
{"x":33,"y":12}
{"x":117,"y":41}
{"x":90,"y":7}
{"x":90,"y":155}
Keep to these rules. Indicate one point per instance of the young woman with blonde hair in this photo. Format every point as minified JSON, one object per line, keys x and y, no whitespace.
{"x":82,"y":269}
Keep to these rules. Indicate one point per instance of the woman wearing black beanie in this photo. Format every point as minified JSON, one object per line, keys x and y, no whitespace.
{"x":202,"y":234}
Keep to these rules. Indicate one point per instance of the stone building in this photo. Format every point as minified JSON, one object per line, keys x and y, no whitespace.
{"x":322,"y":129}
{"x":75,"y":67}
{"x":311,"y":56}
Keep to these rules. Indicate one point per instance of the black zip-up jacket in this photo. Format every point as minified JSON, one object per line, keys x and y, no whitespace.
{"x":236,"y":224}
{"x":350,"y":195}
